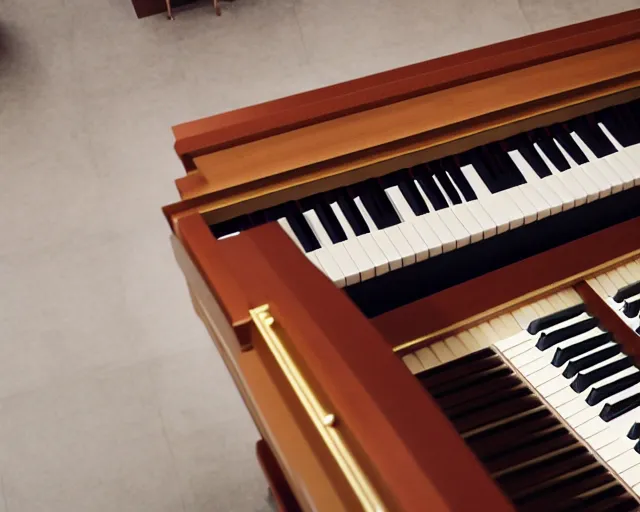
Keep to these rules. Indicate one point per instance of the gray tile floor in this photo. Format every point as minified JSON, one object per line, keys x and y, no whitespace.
{"x":112,"y":398}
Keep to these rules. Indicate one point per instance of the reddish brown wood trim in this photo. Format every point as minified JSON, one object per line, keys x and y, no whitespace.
{"x":396,"y":430}
{"x":204,"y":251}
{"x":243,"y":125}
{"x":282,"y":494}
{"x":503,"y":285}
{"x":610,"y":320}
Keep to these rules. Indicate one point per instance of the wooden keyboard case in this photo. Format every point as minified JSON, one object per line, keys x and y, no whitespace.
{"x":346,"y":423}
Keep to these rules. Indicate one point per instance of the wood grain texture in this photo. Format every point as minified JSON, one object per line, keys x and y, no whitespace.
{"x":458,"y":303}
{"x":391,"y":428}
{"x":244,"y":125}
{"x":376,"y":129}
{"x":225,"y":204}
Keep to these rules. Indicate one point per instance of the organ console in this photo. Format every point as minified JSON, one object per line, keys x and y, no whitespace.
{"x":426,"y":283}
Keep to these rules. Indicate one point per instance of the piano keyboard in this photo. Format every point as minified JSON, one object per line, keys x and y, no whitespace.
{"x":362,"y":231}
{"x":535,"y":459}
{"x":560,"y":354}
{"x":620,"y":288}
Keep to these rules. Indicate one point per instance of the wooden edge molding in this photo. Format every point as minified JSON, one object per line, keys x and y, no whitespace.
{"x":610,"y":320}
{"x":468,"y":303}
{"x":243,"y":125}
{"x":342,"y":357}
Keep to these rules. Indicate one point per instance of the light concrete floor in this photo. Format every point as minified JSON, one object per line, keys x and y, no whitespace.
{"x":112,"y":397}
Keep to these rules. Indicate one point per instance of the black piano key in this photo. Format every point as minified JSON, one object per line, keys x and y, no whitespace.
{"x":634,"y":431}
{"x":503,"y":160}
{"x":567,"y":491}
{"x":241,"y":223}
{"x":454,"y":172}
{"x":545,"y":322}
{"x":584,"y":380}
{"x":487,"y":174}
{"x":529,"y":448}
{"x":424,"y":176}
{"x":524,"y":145}
{"x":638,"y":330}
{"x":598,"y":394}
{"x":500,"y":382}
{"x":302,"y":230}
{"x":500,"y":439}
{"x":609,"y":118}
{"x":411,"y":193}
{"x":563,"y":136}
{"x":503,"y":179}
{"x":553,"y":338}
{"x":352,"y":213}
{"x":614,"y":498}
{"x":587,"y":362}
{"x":475,"y":362}
{"x":551,"y":151}
{"x":627,"y":291}
{"x":377,"y":203}
{"x":631,"y":309}
{"x":329,"y":221}
{"x":470,"y":380}
{"x":519,"y":483}
{"x":518,"y":403}
{"x":630,"y":122}
{"x":563,"y":355}
{"x":595,"y":140}
{"x":448,"y":187}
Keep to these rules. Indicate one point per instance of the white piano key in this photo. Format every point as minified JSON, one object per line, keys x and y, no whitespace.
{"x":561,"y":190}
{"x":617,"y":447}
{"x":469,"y":222}
{"x":286,"y":227}
{"x":229,"y":235}
{"x":400,"y":243}
{"x":622,"y":166}
{"x":400,"y":203}
{"x":418,"y":246}
{"x":529,"y":211}
{"x":602,"y":170}
{"x":495,"y":208}
{"x":455,"y":227}
{"x":525,"y":315}
{"x":381,"y":239}
{"x":591,"y":188}
{"x":442,"y":351}
{"x":428,"y":235}
{"x":625,"y":460}
{"x":338,"y":252}
{"x":566,"y":178}
{"x":456,"y":346}
{"x":435,"y":222}
{"x":413,"y":363}
{"x":427,"y":358}
{"x":513,"y":341}
{"x":625,"y":155}
{"x":442,"y":191}
{"x":365,"y":267}
{"x":331,"y":268}
{"x":537,"y":191}
{"x":487,"y":224}
{"x":632,"y":475}
{"x":365,"y":264}
{"x":314,"y":259}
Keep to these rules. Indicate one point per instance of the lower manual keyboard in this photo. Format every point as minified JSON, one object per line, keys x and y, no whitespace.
{"x":528,"y":387}
{"x":537,"y":461}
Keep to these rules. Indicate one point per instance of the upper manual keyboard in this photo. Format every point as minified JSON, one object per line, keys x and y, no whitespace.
{"x":356,"y":233}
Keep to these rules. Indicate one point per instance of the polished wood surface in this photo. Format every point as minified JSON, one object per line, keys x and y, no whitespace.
{"x":343,"y":144}
{"x":284,"y":498}
{"x":251,"y":123}
{"x":315,"y":141}
{"x":507,"y":287}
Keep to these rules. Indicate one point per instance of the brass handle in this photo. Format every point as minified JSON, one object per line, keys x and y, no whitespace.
{"x":324,"y":421}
